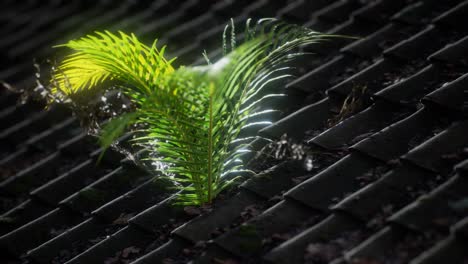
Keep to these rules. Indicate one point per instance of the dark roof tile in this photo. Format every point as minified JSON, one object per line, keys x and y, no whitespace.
{"x":13,"y":155}
{"x":432,"y":154}
{"x":422,"y":12}
{"x":394,"y":140}
{"x":262,"y":8}
{"x":373,"y":199}
{"x":452,"y":95}
{"x":352,"y":27}
{"x":33,"y":176}
{"x":248,"y":239}
{"x":338,"y":179}
{"x":410,"y":90}
{"x":379,"y":11}
{"x":41,"y":229}
{"x":24,"y":129}
{"x":318,"y":79}
{"x":108,"y":218}
{"x":326,"y":18}
{"x":61,"y":187}
{"x":50,"y":250}
{"x":79,"y":144}
{"x":461,"y":228}
{"x":339,"y":261}
{"x":404,"y":246}
{"x":449,"y":250}
{"x":292,"y":250}
{"x":8,"y":98}
{"x":22,"y":214}
{"x":226,"y":8}
{"x":433,"y":210}
{"x":299,"y":10}
{"x":374,"y":246}
{"x":310,"y":118}
{"x":15,"y":113}
{"x":103,"y":190}
{"x":215,"y":253}
{"x":453,"y":52}
{"x":455,"y":17}
{"x":359,"y":126}
{"x":57,"y":133}
{"x":194,"y":26}
{"x":9,"y":114}
{"x":170,"y":249}
{"x":372,"y":45}
{"x":279,"y":178}
{"x":137,"y":199}
{"x":158,"y":215}
{"x":128,"y":238}
{"x":410,"y":179}
{"x":366,"y":79}
{"x":338,"y":11}
{"x":419,"y":45}
{"x":462,"y":167}
{"x":222,"y":216}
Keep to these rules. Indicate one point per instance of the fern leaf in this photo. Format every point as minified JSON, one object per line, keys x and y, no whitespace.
{"x":191,"y":116}
{"x":99,"y":58}
{"x":113,"y":129}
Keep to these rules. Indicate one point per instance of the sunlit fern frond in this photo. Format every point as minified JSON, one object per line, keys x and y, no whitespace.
{"x":107,"y":56}
{"x":251,"y":68}
{"x":188,"y":118}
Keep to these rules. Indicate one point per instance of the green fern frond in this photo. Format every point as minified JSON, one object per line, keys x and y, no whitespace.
{"x":108,"y":56}
{"x":114,"y":129}
{"x":191,"y":117}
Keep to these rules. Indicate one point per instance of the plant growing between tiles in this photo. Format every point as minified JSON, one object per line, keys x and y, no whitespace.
{"x":189,"y":118}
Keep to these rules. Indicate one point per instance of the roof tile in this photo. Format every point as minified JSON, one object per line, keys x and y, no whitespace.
{"x":338,"y":179}
{"x":452,"y":53}
{"x":359,"y":126}
{"x":451,"y":96}
{"x":394,"y":140}
{"x":292,"y":250}
{"x":455,"y":17}
{"x":449,"y":250}
{"x":433,"y":210}
{"x":430,"y":154}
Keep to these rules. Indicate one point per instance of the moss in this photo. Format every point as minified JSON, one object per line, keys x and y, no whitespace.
{"x":20,"y":187}
{"x":249,"y":239}
{"x":92,"y":194}
{"x":125,"y":177}
{"x":162,"y":183}
{"x":7,"y":220}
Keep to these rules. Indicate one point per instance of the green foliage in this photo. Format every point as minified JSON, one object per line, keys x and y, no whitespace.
{"x":189,"y":118}
{"x":108,"y":56}
{"x":114,"y":128}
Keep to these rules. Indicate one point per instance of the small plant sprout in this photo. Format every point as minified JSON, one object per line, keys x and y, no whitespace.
{"x":188,"y":118}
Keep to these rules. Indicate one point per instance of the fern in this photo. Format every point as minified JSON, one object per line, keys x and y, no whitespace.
{"x":190,"y":118}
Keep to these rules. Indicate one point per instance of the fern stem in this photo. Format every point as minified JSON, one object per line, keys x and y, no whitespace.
{"x":210,"y":145}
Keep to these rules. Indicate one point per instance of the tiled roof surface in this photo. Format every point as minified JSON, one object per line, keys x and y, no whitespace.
{"x":387,"y":171}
